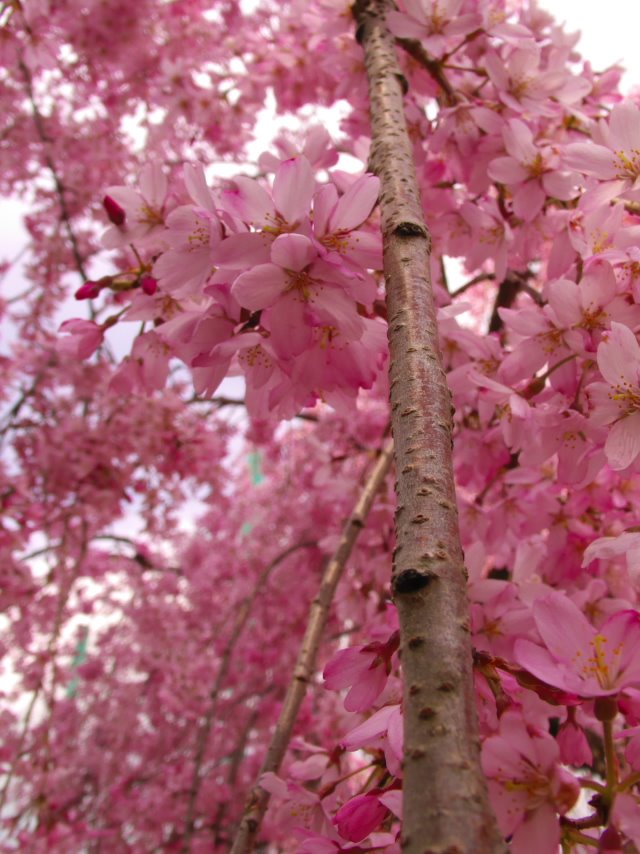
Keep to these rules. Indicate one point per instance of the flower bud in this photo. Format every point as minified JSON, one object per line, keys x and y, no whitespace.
{"x":89,"y":290}
{"x":116,"y":214}
{"x":149,"y":285}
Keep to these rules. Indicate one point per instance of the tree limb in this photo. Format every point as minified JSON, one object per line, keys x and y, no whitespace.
{"x":446,"y":806}
{"x":258,"y":799}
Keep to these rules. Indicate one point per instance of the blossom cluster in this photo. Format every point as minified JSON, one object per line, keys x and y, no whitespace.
{"x":274,"y":282}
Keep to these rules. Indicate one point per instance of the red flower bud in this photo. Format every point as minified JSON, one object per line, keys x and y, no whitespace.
{"x":115,"y":213}
{"x":149,"y":285}
{"x":89,"y":290}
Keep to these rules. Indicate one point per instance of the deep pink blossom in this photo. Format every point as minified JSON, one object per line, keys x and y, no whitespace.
{"x":364,"y":670}
{"x":361,"y":815}
{"x":577,"y":657}
{"x":528,"y":787}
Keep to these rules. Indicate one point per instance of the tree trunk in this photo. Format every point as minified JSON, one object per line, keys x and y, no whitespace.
{"x":446,"y":807}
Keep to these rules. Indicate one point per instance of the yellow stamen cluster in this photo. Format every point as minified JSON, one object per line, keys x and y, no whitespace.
{"x":628,"y":163}
{"x":601,"y":662}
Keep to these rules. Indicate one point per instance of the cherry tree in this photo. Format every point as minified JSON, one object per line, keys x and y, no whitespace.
{"x":224,"y":628}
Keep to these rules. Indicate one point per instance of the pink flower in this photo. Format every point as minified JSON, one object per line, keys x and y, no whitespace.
{"x":281,"y":210}
{"x":193,"y":233}
{"x":364,"y":668}
{"x":84,"y":338}
{"x":589,"y":307}
{"x":578,"y":658}
{"x":335,"y":220}
{"x":137,"y":216}
{"x":432,"y":21}
{"x":361,"y":815}
{"x":605,"y":548}
{"x":384,"y":730}
{"x":530,"y":171}
{"x":298,"y":291}
{"x":526,"y":87}
{"x":616,"y":160}
{"x":573,"y":744}
{"x":527,"y":785}
{"x":626,"y":815}
{"x":617,"y":401}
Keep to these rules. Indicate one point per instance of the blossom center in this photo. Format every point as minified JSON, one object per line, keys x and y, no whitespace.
{"x":628,"y":163}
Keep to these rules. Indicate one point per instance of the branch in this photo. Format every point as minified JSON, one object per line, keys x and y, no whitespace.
{"x":446,"y":806}
{"x":258,"y":799}
{"x":232,"y":401}
{"x":242,"y":617}
{"x":508,"y":290}
{"x":432,"y":66}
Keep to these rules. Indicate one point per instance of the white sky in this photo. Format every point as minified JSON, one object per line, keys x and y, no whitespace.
{"x":609,"y":32}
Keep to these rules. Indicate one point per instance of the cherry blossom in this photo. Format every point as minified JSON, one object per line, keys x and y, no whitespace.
{"x":528,"y":785}
{"x":577,"y":657}
{"x":613,"y":156}
{"x":617,"y":400}
{"x":136,"y":216}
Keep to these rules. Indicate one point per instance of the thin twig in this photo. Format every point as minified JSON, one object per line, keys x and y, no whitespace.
{"x":415,"y":49}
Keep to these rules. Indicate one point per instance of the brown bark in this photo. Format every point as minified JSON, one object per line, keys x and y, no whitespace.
{"x":258,"y":798}
{"x":446,"y":807}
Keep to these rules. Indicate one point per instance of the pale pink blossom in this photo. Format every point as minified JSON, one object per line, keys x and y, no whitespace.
{"x":523,"y":85}
{"x":317,"y":148}
{"x":617,"y":401}
{"x":433,"y":22}
{"x":193,"y":235}
{"x":296,"y":292}
{"x":626,"y":815}
{"x":588,"y":308}
{"x":336,"y":220}
{"x":81,"y":338}
{"x":531,"y":171}
{"x":146,"y":369}
{"x":384,"y":730}
{"x":626,"y":544}
{"x":613,"y":156}
{"x":137,"y":215}
{"x":279,"y":211}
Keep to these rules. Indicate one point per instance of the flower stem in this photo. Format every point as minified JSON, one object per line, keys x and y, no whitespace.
{"x":611,"y":760}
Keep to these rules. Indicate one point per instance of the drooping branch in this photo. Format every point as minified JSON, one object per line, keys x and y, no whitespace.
{"x":258,"y":799}
{"x":446,"y":806}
